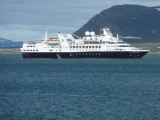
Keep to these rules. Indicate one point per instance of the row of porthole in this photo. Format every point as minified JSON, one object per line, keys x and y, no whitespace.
{"x":30,"y":46}
{"x":30,"y":50}
{"x":85,"y":53}
{"x":88,"y":53}
{"x":85,"y":46}
{"x":54,"y":50}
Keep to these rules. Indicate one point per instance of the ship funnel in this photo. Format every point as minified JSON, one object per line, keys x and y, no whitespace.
{"x":46,"y":34}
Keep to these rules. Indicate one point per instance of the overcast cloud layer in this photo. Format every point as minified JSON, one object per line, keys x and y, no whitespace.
{"x":26,"y":20}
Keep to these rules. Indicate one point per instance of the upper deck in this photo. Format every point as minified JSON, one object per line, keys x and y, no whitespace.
{"x":90,"y":42}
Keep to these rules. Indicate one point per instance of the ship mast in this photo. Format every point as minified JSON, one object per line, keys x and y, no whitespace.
{"x":46,"y":35}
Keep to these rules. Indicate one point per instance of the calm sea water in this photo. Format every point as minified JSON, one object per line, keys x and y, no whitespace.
{"x":79,"y":89}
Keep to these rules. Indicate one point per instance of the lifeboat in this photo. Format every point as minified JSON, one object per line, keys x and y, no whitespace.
{"x":53,"y":41}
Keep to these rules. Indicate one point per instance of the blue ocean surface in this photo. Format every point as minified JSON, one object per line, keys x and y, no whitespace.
{"x":43,"y":89}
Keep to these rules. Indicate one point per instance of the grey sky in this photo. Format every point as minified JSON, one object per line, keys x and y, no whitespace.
{"x":27,"y":19}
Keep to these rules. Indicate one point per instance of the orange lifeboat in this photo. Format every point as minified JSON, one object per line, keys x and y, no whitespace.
{"x":53,"y":41}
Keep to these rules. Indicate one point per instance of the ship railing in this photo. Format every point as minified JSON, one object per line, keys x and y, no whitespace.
{"x":30,"y":42}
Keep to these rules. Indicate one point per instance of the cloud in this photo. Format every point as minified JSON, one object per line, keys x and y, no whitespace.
{"x":24,"y":20}
{"x":30,"y":32}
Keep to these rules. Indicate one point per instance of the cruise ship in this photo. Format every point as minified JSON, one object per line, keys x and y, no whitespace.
{"x":91,"y":46}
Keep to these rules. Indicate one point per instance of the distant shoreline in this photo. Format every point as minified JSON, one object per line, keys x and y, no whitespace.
{"x":10,"y":51}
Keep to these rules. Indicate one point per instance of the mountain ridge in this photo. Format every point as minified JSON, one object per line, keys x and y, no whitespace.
{"x":5,"y":43}
{"x":127,"y":20}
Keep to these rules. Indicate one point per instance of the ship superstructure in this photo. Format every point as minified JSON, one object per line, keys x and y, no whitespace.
{"x":91,"y":46}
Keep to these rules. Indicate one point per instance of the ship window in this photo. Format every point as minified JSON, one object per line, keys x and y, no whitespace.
{"x":76,"y":46}
{"x":36,"y":50}
{"x":33,"y":46}
{"x":83,"y":46}
{"x":92,"y":46}
{"x":30,"y":46}
{"x":30,"y":50}
{"x":33,"y":50}
{"x":99,"y":46}
{"x":73,"y":46}
{"x":92,"y":53}
{"x":89,"y":46}
{"x":27,"y":46}
{"x":70,"y":46}
{"x":86,"y":53}
{"x":27,"y":50}
{"x":86,"y":46}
